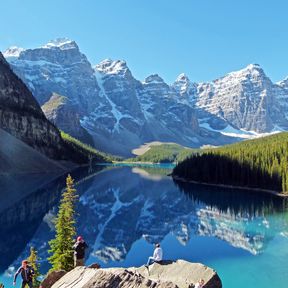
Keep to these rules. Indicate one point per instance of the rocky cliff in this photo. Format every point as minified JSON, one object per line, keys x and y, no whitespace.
{"x":22,"y":117}
{"x":169,"y":274}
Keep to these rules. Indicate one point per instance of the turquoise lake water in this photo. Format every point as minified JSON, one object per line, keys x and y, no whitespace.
{"x":122,"y":211}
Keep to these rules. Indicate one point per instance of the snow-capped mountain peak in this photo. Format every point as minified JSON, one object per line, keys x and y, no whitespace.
{"x":109,"y":66}
{"x":13,"y":52}
{"x":283,"y":83}
{"x":185,"y":87}
{"x":62,"y":43}
{"x":251,"y":69}
{"x":183,"y":78}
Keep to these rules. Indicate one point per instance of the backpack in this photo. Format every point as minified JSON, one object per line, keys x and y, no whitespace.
{"x":80,"y":250}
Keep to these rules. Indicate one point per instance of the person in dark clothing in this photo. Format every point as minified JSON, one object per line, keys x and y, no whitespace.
{"x":27,"y":274}
{"x":79,"y":251}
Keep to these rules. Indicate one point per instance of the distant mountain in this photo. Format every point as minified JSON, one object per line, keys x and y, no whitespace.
{"x":121,"y":113}
{"x":246,"y":99}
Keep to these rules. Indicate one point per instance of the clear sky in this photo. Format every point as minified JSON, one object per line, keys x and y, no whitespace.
{"x":203,"y":38}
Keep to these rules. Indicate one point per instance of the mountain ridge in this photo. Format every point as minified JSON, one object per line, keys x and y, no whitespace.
{"x":121,"y":112}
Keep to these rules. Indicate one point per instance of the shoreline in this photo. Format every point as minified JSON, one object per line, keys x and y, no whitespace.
{"x":273,"y":192}
{"x":143,"y":163}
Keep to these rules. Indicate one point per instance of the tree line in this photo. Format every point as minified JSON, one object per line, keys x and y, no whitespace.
{"x":260,"y":163}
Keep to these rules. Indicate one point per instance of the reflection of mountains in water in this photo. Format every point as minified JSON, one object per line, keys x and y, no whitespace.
{"x":129,"y":207}
{"x":122,"y":205}
{"x":25,"y":202}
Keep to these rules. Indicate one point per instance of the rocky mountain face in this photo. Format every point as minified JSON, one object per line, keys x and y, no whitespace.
{"x":22,"y":117}
{"x":64,"y":114}
{"x":246,"y":99}
{"x":121,"y":113}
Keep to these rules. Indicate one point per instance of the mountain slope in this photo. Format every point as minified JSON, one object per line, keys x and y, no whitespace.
{"x":16,"y":157}
{"x":63,"y":113}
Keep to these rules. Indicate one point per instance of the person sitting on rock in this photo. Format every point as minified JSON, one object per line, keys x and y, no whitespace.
{"x":157,"y":255}
{"x":200,"y":284}
{"x":79,"y":251}
{"x":27,"y":273}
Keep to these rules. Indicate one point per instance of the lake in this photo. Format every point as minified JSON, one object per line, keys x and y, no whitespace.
{"x":122,"y":211}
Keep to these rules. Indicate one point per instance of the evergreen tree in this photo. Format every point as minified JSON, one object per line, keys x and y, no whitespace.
{"x":33,"y":261}
{"x":62,"y":245}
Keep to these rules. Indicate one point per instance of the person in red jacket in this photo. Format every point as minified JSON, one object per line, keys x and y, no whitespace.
{"x":79,"y":251}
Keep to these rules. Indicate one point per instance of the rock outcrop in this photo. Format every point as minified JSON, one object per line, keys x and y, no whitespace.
{"x":64,"y":114}
{"x":52,"y":278}
{"x":169,"y":274}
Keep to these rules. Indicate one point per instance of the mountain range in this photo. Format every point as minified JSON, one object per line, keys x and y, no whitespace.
{"x":105,"y":106}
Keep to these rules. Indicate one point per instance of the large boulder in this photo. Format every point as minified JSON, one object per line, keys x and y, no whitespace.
{"x":51,"y":278}
{"x":168,"y":274}
{"x":182,"y":273}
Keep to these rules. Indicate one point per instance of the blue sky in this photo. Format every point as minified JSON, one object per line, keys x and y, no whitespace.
{"x":203,"y":38}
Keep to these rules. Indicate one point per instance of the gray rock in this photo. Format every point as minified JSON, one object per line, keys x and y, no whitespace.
{"x":182,"y":273}
{"x":179,"y":274}
{"x":52,"y":278}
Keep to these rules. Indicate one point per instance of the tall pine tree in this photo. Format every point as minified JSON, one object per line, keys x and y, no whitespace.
{"x":62,"y":245}
{"x":33,"y":261}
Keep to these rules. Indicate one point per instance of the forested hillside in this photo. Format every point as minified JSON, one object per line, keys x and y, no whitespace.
{"x":83,"y":153}
{"x":260,"y":163}
{"x":164,"y":153}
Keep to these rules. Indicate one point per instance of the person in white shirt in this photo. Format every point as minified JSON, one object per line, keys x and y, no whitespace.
{"x":199,"y":284}
{"x":157,"y":255}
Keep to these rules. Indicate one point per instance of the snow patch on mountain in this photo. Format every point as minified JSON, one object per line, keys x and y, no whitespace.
{"x":13,"y":52}
{"x":62,"y":43}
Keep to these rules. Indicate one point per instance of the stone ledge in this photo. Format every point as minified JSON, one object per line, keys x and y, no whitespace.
{"x":168,"y":274}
